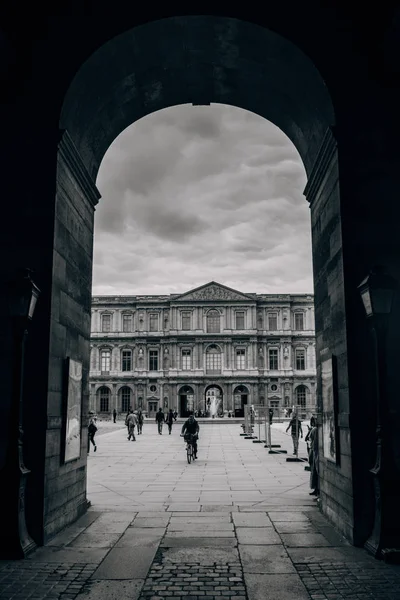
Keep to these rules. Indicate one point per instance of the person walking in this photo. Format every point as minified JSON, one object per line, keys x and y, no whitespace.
{"x":160,"y":419}
{"x":296,"y":430}
{"x":175,"y":415}
{"x":131,"y":422}
{"x":140,"y":418}
{"x":169,"y":420}
{"x":115,"y":415}
{"x":92,"y":431}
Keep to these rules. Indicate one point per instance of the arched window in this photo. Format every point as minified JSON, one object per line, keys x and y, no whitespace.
{"x":301,"y":396}
{"x":213,"y":359}
{"x":105,"y":360}
{"x":213,"y":321}
{"x":104,"y":395}
{"x":126,"y":394}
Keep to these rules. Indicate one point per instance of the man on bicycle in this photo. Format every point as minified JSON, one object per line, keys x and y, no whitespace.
{"x":191,"y":429}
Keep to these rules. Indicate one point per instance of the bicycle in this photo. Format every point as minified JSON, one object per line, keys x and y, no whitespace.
{"x":189,"y":448}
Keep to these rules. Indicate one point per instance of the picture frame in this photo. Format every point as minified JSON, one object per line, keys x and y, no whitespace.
{"x":72,"y":411}
{"x":330,"y":427}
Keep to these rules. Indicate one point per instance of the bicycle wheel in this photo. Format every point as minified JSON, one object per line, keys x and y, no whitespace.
{"x":189,"y":451}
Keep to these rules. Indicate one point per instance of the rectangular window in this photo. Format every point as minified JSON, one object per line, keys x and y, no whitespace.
{"x":273,"y":359}
{"x":126,"y":323}
{"x":153,"y":360}
{"x":105,"y":360}
{"x":153,"y":322}
{"x":186,"y":321}
{"x":299,"y":321}
{"x":186,"y":360}
{"x":300,"y":360}
{"x":241,"y":358}
{"x":127,"y":360}
{"x":106,"y":323}
{"x":240,"y":320}
{"x":272,"y":321}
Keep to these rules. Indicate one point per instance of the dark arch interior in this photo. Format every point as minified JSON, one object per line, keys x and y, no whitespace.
{"x":199,"y":60}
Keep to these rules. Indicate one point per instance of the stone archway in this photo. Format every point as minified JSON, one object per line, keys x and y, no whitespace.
{"x":107,"y":80}
{"x":240,"y":399}
{"x":119,"y":93}
{"x":185,"y":401}
{"x":214,"y":400}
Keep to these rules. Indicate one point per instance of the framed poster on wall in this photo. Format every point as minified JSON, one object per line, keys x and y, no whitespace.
{"x":330,"y":430}
{"x":72,"y":410}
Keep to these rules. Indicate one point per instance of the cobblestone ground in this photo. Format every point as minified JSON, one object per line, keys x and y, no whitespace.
{"x":193,"y":580}
{"x":25,"y":579}
{"x":326,"y":581}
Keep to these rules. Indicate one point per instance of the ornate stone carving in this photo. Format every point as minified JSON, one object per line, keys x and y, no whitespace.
{"x":213,"y":292}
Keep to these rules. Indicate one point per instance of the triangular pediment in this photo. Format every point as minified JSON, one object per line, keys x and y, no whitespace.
{"x":214,"y":291}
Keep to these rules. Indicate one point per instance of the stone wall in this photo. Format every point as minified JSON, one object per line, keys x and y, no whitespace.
{"x":65,"y":483}
{"x":322,"y":191}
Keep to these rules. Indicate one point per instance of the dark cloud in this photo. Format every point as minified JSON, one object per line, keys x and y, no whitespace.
{"x":192,"y":194}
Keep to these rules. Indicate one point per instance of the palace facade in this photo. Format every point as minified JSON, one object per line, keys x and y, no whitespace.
{"x":212,"y":349}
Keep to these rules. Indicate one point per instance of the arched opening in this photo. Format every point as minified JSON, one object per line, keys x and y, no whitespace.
{"x":186,"y":401}
{"x":122,"y":92}
{"x":240,"y":400}
{"x":210,"y":60}
{"x":214,"y":401}
{"x":125,"y":400}
{"x":104,"y":400}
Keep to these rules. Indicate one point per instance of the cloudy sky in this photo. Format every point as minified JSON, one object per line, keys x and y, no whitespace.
{"x":194,"y":194}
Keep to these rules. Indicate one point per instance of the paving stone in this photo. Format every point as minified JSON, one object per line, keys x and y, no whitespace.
{"x":189,"y":542}
{"x":143,"y":522}
{"x":95,"y":540}
{"x":287,"y":516}
{"x":143,"y":538}
{"x":265,"y":559}
{"x":126,"y":563}
{"x":275,"y":587}
{"x":257,"y":535}
{"x":294,"y":527}
{"x":214,"y":532}
{"x":201,"y":556}
{"x":304,"y":540}
{"x":259,"y":519}
{"x":202,"y":527}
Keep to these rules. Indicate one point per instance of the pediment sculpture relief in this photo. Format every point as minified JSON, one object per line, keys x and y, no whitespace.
{"x":213,"y":292}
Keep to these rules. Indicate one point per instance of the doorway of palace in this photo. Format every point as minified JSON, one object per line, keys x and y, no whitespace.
{"x":186,"y":401}
{"x":213,"y":404}
{"x":152,"y":408}
{"x":240,"y":399}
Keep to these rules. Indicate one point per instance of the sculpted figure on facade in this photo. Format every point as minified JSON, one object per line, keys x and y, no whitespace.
{"x":214,"y":292}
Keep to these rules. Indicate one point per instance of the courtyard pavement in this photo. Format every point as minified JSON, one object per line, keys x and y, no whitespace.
{"x":238,"y":523}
